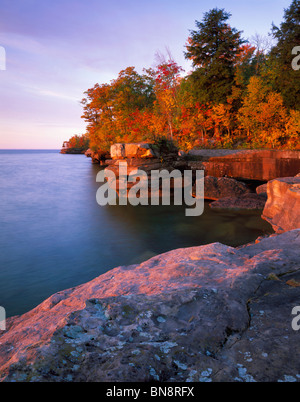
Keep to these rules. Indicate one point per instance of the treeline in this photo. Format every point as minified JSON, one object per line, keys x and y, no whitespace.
{"x":238,"y":94}
{"x":79,"y":142}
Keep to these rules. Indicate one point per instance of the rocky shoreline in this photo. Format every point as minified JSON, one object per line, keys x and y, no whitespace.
{"x":261,"y":165}
{"x":211,"y":313}
{"x":234,"y":179}
{"x":208,"y":313}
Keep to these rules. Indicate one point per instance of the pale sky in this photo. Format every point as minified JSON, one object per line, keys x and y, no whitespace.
{"x":57,"y":49}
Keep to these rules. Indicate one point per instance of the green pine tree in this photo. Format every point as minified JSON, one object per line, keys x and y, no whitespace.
{"x":213,"y":49}
{"x":284,"y":78}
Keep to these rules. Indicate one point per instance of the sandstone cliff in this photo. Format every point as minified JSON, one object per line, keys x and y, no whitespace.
{"x":252,"y":164}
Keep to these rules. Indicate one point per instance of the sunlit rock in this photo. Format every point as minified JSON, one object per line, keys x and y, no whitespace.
{"x":117,"y":151}
{"x":262,"y":190}
{"x":282,"y":209}
{"x":261,"y":165}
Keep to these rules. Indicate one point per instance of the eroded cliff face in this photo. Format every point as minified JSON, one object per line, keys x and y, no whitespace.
{"x":261,"y":165}
{"x":282,"y":209}
{"x":208,"y":313}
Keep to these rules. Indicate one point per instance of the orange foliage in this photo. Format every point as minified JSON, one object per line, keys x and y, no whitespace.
{"x":157,"y":105}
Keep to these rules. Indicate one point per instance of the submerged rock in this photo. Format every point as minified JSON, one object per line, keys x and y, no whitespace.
{"x":244,"y":201}
{"x":208,"y":313}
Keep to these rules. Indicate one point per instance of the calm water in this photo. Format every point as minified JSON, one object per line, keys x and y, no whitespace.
{"x":53,"y":234}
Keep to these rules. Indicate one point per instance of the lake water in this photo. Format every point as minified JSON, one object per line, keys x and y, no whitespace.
{"x":54,"y":235}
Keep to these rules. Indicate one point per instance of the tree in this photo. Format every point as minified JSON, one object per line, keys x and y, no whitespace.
{"x":285,"y":79}
{"x":213,"y":49}
{"x":293,"y":129}
{"x":79,"y":142}
{"x":98,"y":113}
{"x":263,"y":115}
{"x":112,"y":109}
{"x":166,"y":86}
{"x":245,"y":67}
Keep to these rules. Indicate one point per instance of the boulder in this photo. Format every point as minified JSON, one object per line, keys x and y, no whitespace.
{"x":88,"y":153}
{"x":220,"y":187}
{"x":99,"y":157}
{"x":282,"y":209}
{"x":117,"y":151}
{"x":139,"y":150}
{"x":132,"y":150}
{"x":208,"y":313}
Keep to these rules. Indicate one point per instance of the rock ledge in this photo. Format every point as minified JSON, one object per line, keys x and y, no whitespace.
{"x":208,"y":313}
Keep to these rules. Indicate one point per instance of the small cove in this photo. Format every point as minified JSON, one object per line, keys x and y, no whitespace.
{"x":55,"y":236}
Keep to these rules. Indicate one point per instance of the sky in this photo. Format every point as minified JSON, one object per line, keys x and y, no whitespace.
{"x":52,"y":51}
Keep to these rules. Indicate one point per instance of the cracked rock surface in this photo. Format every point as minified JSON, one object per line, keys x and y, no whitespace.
{"x":208,"y":313}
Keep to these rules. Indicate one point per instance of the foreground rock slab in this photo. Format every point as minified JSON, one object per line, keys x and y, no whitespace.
{"x":208,"y":313}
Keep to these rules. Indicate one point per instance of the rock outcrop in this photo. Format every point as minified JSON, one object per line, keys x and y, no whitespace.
{"x":208,"y":313}
{"x":282,"y":209}
{"x":261,"y":165}
{"x":98,"y":158}
{"x":227,"y":192}
{"x":132,"y":150}
{"x":141,"y":156}
{"x":221,"y":187}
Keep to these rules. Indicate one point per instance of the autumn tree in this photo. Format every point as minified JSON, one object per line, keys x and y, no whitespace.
{"x":166,"y":86}
{"x":263,"y":115}
{"x":237,"y":91}
{"x":80,"y":142}
{"x":112,"y":110}
{"x":244,"y":69}
{"x":293,"y":130}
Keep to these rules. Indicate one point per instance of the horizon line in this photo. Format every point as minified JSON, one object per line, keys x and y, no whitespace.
{"x":30,"y":149}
